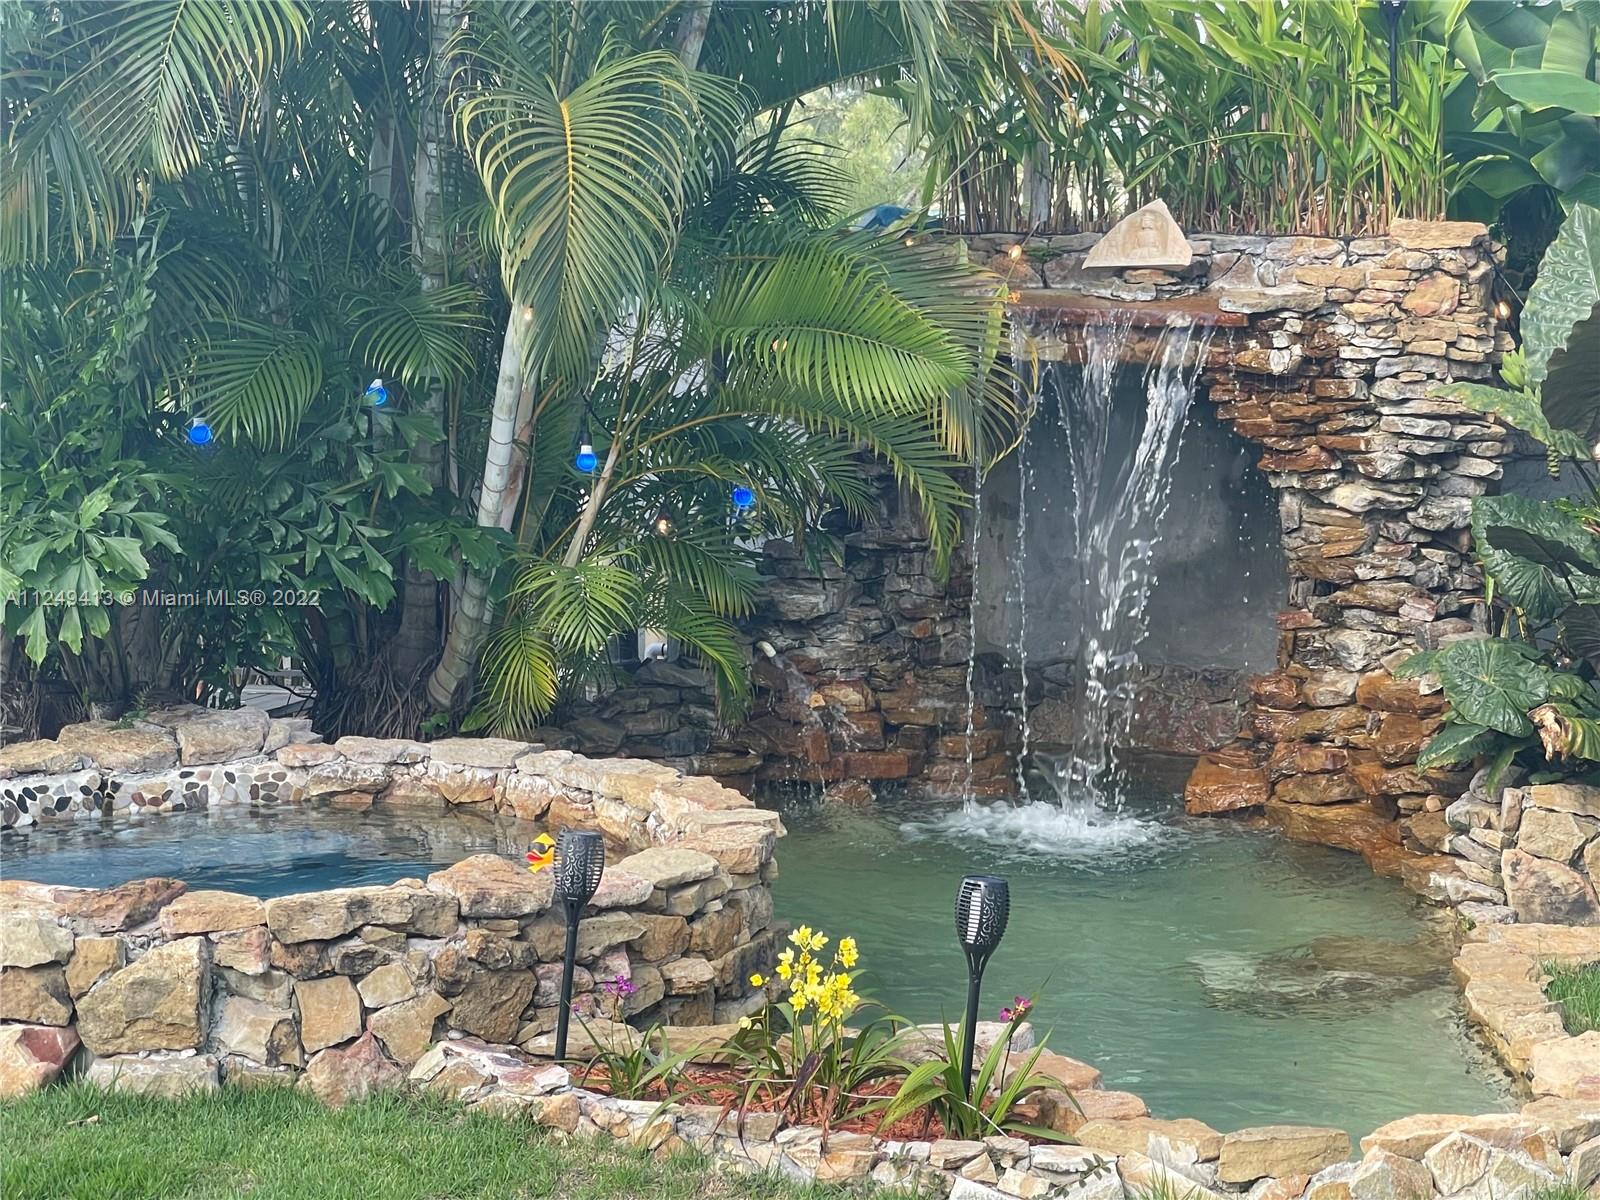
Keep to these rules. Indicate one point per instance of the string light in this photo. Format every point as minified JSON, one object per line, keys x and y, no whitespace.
{"x":743,"y":500}
{"x":199,"y":431}
{"x":1502,"y":309}
{"x":1015,"y":252}
{"x":527,"y":312}
{"x":376,"y":394}
{"x":662,"y":525}
{"x":585,"y":460}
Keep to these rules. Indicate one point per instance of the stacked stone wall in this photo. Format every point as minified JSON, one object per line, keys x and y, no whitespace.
{"x":173,"y":986}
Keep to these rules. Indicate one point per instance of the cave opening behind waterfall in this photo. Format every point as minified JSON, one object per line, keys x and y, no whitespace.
{"x":1129,"y":568}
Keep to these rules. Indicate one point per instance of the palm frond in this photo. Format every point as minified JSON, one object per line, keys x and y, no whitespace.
{"x":258,"y":380}
{"x":166,"y":74}
{"x":415,"y":336}
{"x":587,"y":184}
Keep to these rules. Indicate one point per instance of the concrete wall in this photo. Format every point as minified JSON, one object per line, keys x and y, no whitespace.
{"x":1220,"y":570}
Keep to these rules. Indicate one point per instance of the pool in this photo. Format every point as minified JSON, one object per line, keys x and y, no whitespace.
{"x":1218,"y":972}
{"x":263,"y":852}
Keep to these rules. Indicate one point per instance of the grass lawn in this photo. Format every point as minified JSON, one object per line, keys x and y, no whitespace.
{"x":276,"y":1144}
{"x":1578,"y":990}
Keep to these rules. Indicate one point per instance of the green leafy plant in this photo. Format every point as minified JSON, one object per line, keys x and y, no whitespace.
{"x":800,"y":1051}
{"x":639,"y":1068}
{"x":1528,"y":116}
{"x":987,"y":1108}
{"x":1534,"y":688}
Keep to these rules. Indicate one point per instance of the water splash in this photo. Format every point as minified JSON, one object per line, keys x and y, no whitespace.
{"x":1118,"y":501}
{"x":800,"y":692}
{"x":1049,"y":831}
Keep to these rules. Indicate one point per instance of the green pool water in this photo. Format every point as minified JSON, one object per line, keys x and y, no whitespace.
{"x":1220,"y":973}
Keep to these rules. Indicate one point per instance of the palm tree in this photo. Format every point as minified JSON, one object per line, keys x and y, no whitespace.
{"x":595,"y":145}
{"x":334,"y":186}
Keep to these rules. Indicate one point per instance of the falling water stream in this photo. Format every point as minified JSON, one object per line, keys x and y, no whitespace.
{"x":1119,"y":501}
{"x":1119,"y":492}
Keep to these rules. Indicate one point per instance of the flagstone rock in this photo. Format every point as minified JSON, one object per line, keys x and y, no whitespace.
{"x":114,"y":748}
{"x":348,"y":1073}
{"x":312,"y":916}
{"x":93,"y":958}
{"x":213,"y":735}
{"x":209,"y":912}
{"x":1382,"y":1175}
{"x":167,"y":1075}
{"x":122,"y":907}
{"x":1567,"y":1067}
{"x":1545,"y":892}
{"x":406,"y":1028}
{"x":1555,"y":835}
{"x":491,"y":1005}
{"x":40,"y":757}
{"x":1458,"y":1162}
{"x":1133,"y":1136}
{"x":330,"y":1011}
{"x":487,"y":885}
{"x":154,"y":1003}
{"x":1250,"y":1154}
{"x":36,"y":995}
{"x":1413,"y":1136}
{"x":27,"y":940}
{"x":32,"y":1056}
{"x":250,"y":1029}
{"x":385,"y":985}
{"x":248,"y":951}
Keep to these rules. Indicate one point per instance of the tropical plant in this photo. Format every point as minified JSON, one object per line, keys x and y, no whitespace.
{"x":987,"y":1107}
{"x":1529,"y":117}
{"x":639,"y":1067}
{"x":1534,"y":688}
{"x":731,"y":335}
{"x":800,"y":1049}
{"x":485,"y":206}
{"x":1243,"y":115}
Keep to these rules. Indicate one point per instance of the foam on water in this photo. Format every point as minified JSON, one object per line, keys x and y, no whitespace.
{"x":1082,"y":834}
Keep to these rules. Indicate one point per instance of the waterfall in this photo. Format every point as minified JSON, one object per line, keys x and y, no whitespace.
{"x":1029,"y":403}
{"x":1117,"y":502}
{"x":972,"y":623}
{"x":1118,"y":466}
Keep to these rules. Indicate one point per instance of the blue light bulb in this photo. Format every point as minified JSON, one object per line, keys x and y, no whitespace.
{"x":377,"y":395}
{"x":199,"y":432}
{"x":743,"y":499}
{"x":586,"y":461}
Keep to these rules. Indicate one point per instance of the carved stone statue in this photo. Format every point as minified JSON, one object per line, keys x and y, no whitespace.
{"x":1147,"y":238}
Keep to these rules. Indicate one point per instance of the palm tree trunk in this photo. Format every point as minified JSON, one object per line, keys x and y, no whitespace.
{"x":692,"y":33}
{"x":505,"y":465}
{"x":417,"y":637}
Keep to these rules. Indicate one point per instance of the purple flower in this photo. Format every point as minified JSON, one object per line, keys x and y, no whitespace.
{"x":619,"y":987}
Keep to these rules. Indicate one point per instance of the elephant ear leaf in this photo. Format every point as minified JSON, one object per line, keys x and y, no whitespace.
{"x":1580,"y":631}
{"x":1541,"y":559}
{"x":1490,"y":684}
{"x":1566,"y":292}
{"x":1457,"y":742}
{"x":1571,"y":394}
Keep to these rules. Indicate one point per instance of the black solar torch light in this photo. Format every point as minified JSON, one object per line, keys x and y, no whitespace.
{"x":982,"y":906}
{"x":580,"y":860}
